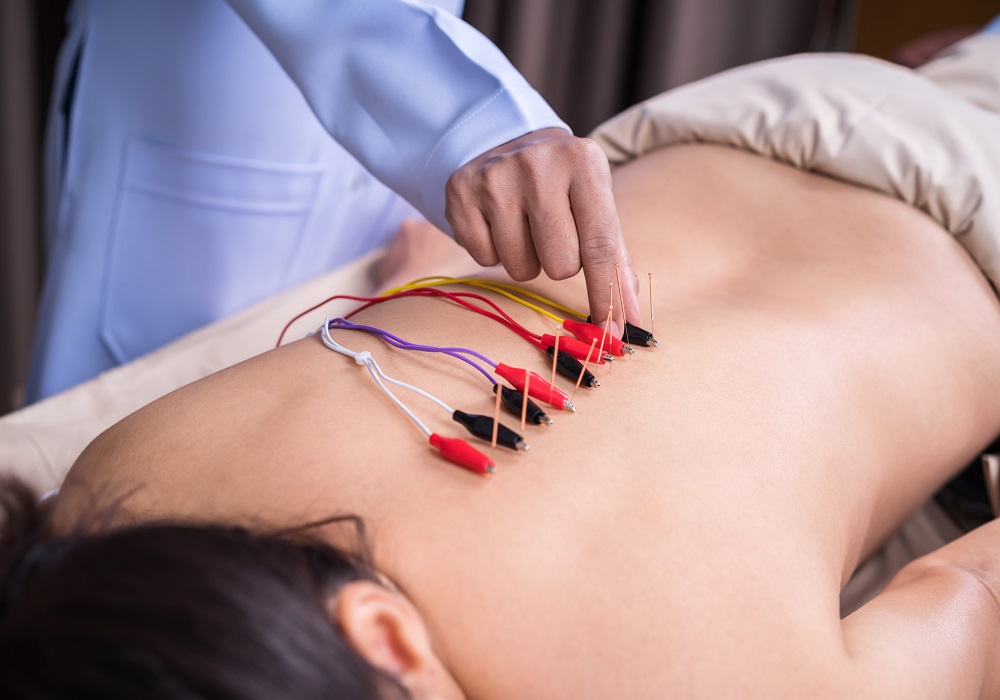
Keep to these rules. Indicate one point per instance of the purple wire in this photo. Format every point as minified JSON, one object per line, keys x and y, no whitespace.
{"x":458,"y":353}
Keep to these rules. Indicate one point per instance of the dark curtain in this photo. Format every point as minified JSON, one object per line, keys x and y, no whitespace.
{"x":19,"y":183}
{"x":592,"y":58}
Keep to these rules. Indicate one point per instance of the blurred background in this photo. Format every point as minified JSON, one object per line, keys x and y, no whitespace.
{"x":588,"y":58}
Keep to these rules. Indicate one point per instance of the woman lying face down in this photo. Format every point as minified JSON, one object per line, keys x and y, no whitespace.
{"x":826,"y":362}
{"x":177,"y":611}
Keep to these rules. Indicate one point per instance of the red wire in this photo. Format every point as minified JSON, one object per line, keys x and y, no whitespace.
{"x":486,"y":300}
{"x":500,"y":317}
{"x":434,"y":291}
{"x":299,"y":315}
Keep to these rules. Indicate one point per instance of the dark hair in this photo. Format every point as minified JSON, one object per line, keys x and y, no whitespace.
{"x":171,"y":610}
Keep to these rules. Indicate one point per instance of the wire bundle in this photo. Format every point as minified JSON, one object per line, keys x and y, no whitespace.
{"x":570,"y":358}
{"x":455,"y":450}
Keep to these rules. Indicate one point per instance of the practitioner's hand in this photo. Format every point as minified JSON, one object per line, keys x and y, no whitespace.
{"x":417,"y":250}
{"x":544,"y":202}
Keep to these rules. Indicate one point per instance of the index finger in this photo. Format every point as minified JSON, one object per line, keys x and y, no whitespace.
{"x":602,"y":247}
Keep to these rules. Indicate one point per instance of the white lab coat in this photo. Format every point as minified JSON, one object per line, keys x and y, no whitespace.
{"x":191,"y":170}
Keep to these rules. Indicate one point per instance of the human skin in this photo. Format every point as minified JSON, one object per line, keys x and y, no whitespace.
{"x":826,"y":361}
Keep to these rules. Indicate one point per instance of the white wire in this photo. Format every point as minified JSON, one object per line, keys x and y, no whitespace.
{"x":395,"y":400}
{"x":368,"y":361}
{"x":418,"y":390}
{"x":329,"y":342}
{"x":386,"y":377}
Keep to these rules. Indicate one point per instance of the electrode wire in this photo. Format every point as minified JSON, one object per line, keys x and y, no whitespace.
{"x":396,"y":341}
{"x":496,"y":416}
{"x":630,"y":330}
{"x":500,"y":316}
{"x":365,"y":358}
{"x":524,"y":402}
{"x":312,"y":308}
{"x":418,"y":390}
{"x":508,"y":290}
{"x":455,"y":450}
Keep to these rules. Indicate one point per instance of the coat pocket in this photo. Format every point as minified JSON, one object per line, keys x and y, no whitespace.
{"x":196,"y":237}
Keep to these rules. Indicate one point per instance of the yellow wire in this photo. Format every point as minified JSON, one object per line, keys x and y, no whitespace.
{"x":514,"y":288}
{"x":507,"y":290}
{"x":420,"y":282}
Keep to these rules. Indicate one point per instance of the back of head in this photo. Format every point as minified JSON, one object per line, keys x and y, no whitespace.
{"x":171,"y":611}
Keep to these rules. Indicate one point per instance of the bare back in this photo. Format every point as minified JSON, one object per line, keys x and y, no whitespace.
{"x":824,"y":364}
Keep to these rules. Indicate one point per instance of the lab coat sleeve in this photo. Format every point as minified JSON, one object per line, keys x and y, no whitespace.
{"x":410,"y":90}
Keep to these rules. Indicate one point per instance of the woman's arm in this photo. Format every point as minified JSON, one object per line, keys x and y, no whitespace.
{"x":935,"y":631}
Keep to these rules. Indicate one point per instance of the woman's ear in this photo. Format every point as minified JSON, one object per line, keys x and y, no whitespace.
{"x":388,"y":632}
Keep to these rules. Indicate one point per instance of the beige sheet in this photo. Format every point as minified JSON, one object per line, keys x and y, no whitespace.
{"x":40,"y":443}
